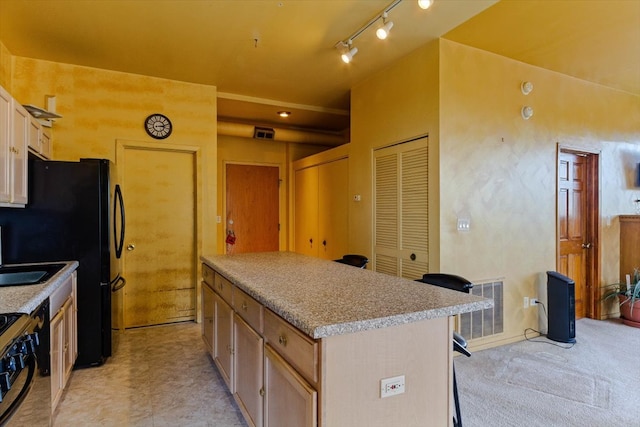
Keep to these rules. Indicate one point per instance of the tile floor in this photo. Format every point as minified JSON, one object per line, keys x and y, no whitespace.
{"x":158,"y":376}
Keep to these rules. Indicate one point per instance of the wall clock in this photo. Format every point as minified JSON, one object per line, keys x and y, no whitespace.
{"x":158,"y":126}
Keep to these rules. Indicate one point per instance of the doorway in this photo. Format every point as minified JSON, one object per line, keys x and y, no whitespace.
{"x":159,"y":260}
{"x":577,"y":226}
{"x":252,"y":208}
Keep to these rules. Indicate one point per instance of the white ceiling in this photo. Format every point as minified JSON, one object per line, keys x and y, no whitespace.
{"x":266,"y":56}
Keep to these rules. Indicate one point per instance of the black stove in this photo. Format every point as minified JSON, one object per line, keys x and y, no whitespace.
{"x":6,"y":320}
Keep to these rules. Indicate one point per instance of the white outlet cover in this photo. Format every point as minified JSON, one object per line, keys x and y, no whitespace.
{"x":391,"y":386}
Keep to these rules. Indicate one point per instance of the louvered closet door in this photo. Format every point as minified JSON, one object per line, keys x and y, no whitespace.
{"x":401,"y":236}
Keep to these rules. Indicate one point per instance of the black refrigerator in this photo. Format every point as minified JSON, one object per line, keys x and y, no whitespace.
{"x":75,"y":212}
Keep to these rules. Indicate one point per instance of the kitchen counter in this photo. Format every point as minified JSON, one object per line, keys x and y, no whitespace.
{"x":26,"y":298}
{"x":324,"y":298}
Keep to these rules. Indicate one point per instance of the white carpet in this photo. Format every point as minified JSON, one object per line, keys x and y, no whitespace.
{"x":595,"y":383}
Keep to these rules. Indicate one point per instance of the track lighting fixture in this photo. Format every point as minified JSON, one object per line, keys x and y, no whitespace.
{"x":346,"y":45}
{"x":383,"y":31}
{"x":349,"y":53}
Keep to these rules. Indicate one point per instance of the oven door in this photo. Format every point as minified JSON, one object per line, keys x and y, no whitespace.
{"x":28,"y":403}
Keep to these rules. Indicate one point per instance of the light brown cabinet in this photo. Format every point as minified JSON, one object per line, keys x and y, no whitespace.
{"x":14,"y":135}
{"x":289,"y":399}
{"x":248,"y":367}
{"x":64,"y":336}
{"x":208,"y":313}
{"x":629,"y":244}
{"x":223,"y":336}
{"x":39,"y":139}
{"x":240,"y":329}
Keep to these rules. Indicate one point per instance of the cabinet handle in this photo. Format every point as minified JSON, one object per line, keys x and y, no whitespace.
{"x":311,"y":242}
{"x":230,"y":349}
{"x":324,"y":243}
{"x":244,"y":305}
{"x":262,"y":393}
{"x":413,"y":257}
{"x":282,"y":339}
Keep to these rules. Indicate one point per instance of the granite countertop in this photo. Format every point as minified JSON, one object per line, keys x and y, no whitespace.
{"x":324,"y":298}
{"x":26,"y":298}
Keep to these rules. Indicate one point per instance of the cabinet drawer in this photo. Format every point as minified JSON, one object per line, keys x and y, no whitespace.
{"x":249,"y":309}
{"x":296,"y":348}
{"x":224,"y":288}
{"x":208,"y":274}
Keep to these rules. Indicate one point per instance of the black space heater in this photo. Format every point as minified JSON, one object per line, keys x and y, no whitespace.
{"x":561,"y":301}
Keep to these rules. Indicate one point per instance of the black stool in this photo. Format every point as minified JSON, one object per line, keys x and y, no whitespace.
{"x":359,"y":261}
{"x":459,"y":284}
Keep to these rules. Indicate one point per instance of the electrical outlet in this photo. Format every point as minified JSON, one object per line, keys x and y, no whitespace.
{"x":391,"y":386}
{"x":526,"y":302}
{"x":533,"y":302}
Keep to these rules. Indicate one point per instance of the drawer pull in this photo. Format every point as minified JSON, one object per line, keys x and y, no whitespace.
{"x":282,"y":339}
{"x":244,"y":305}
{"x":262,"y":393}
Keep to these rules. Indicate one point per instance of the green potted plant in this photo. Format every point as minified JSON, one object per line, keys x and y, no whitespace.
{"x":628,"y":297}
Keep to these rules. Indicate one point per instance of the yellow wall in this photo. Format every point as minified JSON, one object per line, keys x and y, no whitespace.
{"x":100,"y":107}
{"x":487,"y":163}
{"x":5,"y":67}
{"x":392,"y":106}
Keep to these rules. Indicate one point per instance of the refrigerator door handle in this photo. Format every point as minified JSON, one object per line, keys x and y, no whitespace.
{"x":119,"y":202}
{"x":117,"y":283}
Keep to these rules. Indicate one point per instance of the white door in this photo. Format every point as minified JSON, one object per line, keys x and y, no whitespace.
{"x":401,"y":225}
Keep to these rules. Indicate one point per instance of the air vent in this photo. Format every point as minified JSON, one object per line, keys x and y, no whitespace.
{"x":263,"y":133}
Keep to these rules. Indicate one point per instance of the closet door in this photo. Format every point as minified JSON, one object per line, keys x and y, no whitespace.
{"x":401,"y":210}
{"x":306,"y":211}
{"x":333,"y":206}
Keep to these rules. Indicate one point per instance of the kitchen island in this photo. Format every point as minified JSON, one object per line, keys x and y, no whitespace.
{"x":334,"y":339}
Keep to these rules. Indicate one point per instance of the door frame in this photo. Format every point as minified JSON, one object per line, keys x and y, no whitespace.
{"x":282,"y":237}
{"x":121,"y":146}
{"x":592,"y":306}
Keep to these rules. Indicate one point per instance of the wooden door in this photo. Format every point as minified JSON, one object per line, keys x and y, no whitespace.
{"x":401,"y":210}
{"x":306,"y":211}
{"x":160,"y":248}
{"x":577,"y":227}
{"x":333,"y":209}
{"x":253,"y":203}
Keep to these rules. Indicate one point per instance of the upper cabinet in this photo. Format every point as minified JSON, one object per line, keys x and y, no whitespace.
{"x":14,"y":136}
{"x":39,"y":139}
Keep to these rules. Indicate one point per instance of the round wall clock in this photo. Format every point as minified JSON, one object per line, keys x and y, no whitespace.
{"x":158,"y":126}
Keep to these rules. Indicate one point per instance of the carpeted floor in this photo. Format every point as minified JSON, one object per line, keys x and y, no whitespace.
{"x":594,"y":383}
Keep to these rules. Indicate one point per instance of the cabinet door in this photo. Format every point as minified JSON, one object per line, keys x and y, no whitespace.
{"x":19,"y":153}
{"x":207,"y":317}
{"x":248,"y":369}
{"x":68,"y":348}
{"x":57,"y":348}
{"x":223,"y":336}
{"x":35,"y":142}
{"x":5,"y":135}
{"x":289,"y":400}
{"x":306,"y":211}
{"x":333,"y":206}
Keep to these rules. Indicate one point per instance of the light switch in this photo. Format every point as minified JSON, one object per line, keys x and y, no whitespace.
{"x":464,"y":224}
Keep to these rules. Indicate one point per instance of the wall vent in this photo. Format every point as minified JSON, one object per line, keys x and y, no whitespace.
{"x":486,"y":322}
{"x":263,"y":133}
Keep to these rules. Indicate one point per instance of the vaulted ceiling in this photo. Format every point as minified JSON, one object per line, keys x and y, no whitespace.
{"x":266,"y":55}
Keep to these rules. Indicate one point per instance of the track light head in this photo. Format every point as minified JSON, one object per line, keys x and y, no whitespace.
{"x":383,"y":31}
{"x":348,"y":55}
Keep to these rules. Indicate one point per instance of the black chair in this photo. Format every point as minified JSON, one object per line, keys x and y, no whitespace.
{"x":460,"y":284}
{"x":359,"y":261}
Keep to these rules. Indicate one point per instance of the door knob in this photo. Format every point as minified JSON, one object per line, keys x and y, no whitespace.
{"x":586,"y":245}
{"x":131,"y":247}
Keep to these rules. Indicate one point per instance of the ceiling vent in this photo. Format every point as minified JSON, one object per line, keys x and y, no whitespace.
{"x":263,"y":133}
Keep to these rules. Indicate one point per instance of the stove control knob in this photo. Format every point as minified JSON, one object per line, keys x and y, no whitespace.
{"x":5,"y":382}
{"x":29,"y":344}
{"x":19,"y":361}
{"x":10,"y":364}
